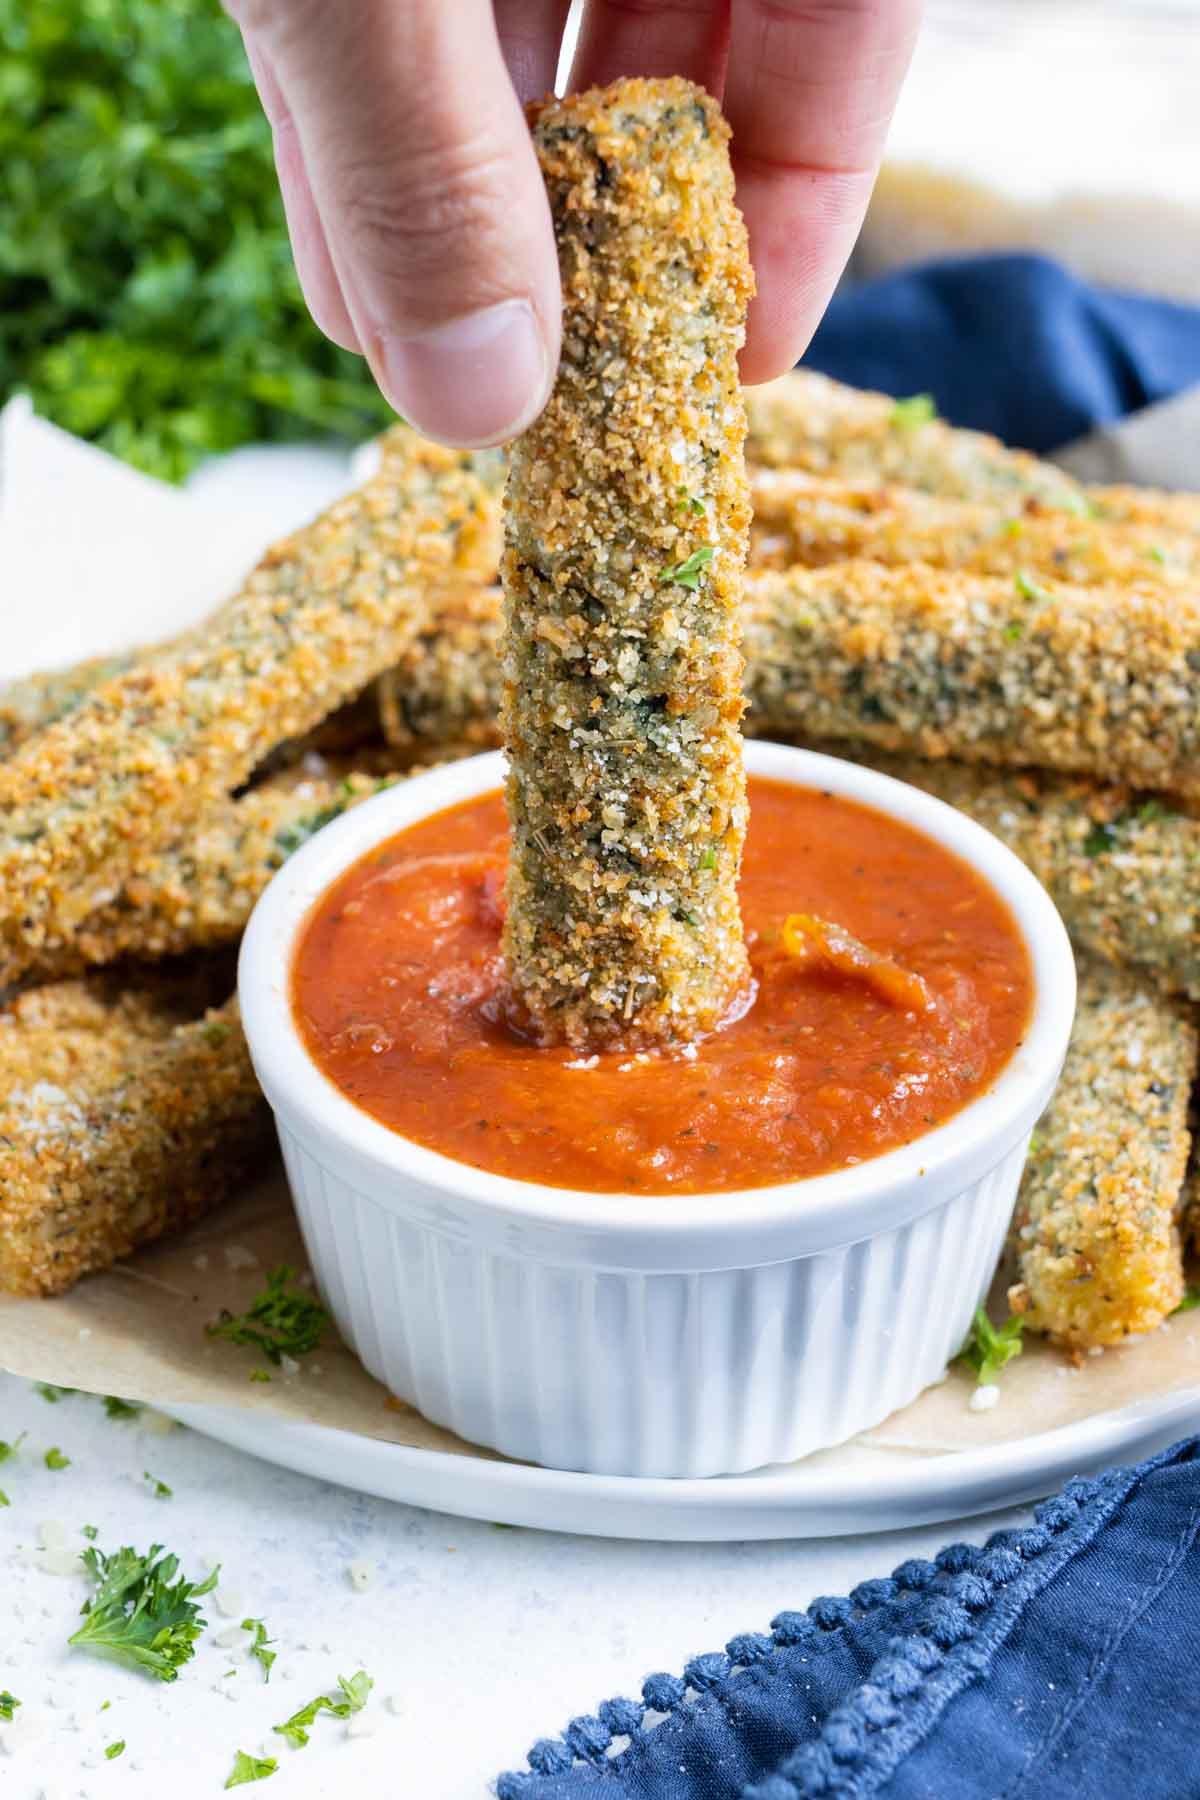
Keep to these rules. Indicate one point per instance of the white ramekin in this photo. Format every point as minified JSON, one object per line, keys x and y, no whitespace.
{"x":626,"y":1335}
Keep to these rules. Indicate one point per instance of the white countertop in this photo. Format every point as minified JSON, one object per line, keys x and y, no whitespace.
{"x":479,"y":1640}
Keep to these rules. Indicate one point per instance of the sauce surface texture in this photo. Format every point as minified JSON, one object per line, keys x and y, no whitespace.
{"x":398,"y":990}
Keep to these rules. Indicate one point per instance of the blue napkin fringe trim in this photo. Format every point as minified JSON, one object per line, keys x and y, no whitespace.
{"x":956,"y":1612}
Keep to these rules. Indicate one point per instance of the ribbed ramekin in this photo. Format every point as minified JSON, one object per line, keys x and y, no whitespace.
{"x":626,"y":1335}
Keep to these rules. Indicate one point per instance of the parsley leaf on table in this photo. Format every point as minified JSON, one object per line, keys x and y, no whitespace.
{"x":8,"y":1705}
{"x":284,"y":1320}
{"x":355,"y":1694}
{"x":250,"y":1768}
{"x":259,"y":1648}
{"x":140,"y":1615}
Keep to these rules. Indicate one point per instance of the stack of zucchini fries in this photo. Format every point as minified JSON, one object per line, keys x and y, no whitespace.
{"x":921,"y":598}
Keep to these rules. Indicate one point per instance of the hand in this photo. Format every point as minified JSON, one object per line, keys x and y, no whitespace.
{"x":417,"y":215}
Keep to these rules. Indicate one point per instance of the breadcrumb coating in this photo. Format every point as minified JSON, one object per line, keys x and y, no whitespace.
{"x":123,"y":1114}
{"x":1100,"y":681}
{"x":806,"y":421}
{"x":324,"y":612}
{"x":1095,"y":1230}
{"x":198,"y":891}
{"x":804,"y":519}
{"x":627,"y":512}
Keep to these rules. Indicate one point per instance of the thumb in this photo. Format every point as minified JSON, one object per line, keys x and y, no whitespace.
{"x":425,"y":182}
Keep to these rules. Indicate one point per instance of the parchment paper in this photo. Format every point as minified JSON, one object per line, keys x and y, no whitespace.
{"x":139,"y":1331}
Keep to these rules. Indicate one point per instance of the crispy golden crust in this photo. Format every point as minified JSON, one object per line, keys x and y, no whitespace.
{"x":37,"y":700}
{"x":198,"y":891}
{"x":626,"y":526}
{"x":805,"y":519}
{"x":147,"y":750}
{"x":1096,"y":681}
{"x":1123,"y":868}
{"x":805,"y":421}
{"x":1095,"y":1233}
{"x":123,"y":1115}
{"x":447,"y":687}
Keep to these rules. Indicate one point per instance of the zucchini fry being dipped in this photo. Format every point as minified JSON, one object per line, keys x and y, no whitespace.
{"x":1095,"y":1229}
{"x":323,"y":613}
{"x":626,"y":525}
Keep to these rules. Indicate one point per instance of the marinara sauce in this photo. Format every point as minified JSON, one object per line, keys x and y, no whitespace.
{"x":398,"y":990}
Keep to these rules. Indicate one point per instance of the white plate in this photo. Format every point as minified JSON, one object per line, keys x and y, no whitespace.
{"x":837,"y":1493}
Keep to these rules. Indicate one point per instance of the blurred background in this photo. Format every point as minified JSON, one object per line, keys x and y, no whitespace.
{"x":147,"y":298}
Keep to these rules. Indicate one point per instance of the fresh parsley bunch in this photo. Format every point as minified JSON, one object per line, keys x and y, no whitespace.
{"x":147,"y":295}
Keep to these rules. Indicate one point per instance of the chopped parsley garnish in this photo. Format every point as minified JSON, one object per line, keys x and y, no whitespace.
{"x":250,"y":1768}
{"x":49,"y":1392}
{"x":918,"y":409}
{"x":10,"y":1450}
{"x":1191,"y":1299}
{"x":54,"y":1459}
{"x":1014,"y":632}
{"x":215,"y":1032}
{"x":687,"y":574}
{"x":89,"y":1532}
{"x":989,"y":1347}
{"x":114,"y":1750}
{"x":117,"y":1408}
{"x":140,"y":1615}
{"x":260,"y":1375}
{"x":161,"y":1490}
{"x":8,"y":1705}
{"x":355,"y":1694}
{"x":1151,"y":811}
{"x":259,"y":1648}
{"x":709,"y":859}
{"x":1099,"y":840}
{"x":690,"y":503}
{"x":4,"y":1499}
{"x":284,"y":1320}
{"x":1028,"y":588}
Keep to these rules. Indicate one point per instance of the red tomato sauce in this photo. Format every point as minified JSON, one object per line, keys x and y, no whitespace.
{"x":398,"y":990}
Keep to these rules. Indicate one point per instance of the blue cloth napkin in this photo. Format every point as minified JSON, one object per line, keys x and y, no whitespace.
{"x":1058,"y":1662}
{"x":1010,"y":344}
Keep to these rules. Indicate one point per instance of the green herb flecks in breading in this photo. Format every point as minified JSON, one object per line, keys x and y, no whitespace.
{"x":622,"y":666}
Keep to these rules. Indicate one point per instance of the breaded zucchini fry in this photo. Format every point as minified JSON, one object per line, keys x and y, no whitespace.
{"x":805,"y":421}
{"x":323,"y":613}
{"x":446,"y":688}
{"x":804,"y":519}
{"x":1095,"y":1227}
{"x":1099,"y":681}
{"x":122,"y":1115}
{"x":626,"y":528}
{"x":1122,"y":868}
{"x":198,"y":891}
{"x":37,"y":700}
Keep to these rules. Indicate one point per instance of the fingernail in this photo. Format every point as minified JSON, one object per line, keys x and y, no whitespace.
{"x":475,"y":380}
